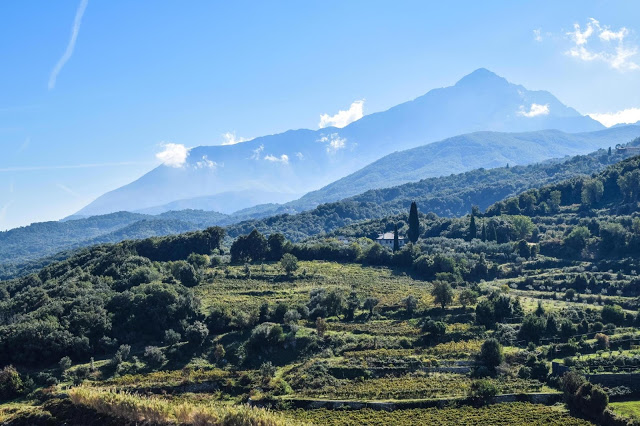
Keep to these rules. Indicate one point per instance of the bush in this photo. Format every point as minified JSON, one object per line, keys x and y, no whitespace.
{"x":491,"y":353}
{"x":483,"y":390}
{"x":289,"y":263}
{"x":592,"y":400}
{"x":171,"y":337}
{"x":265,"y":337}
{"x":154,"y":356}
{"x":612,"y":314}
{"x":10,"y":383}
{"x":197,"y":333}
{"x":65,"y":363}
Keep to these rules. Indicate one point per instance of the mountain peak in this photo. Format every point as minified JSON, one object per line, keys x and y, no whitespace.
{"x":481,"y":76}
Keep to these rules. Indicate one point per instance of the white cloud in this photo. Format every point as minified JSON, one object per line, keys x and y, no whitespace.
{"x":284,"y":158}
{"x":334,"y":142}
{"x":230,"y":138}
{"x":609,"y":46}
{"x":537,"y":35}
{"x":72,"y":44}
{"x":627,"y":116}
{"x":173,"y":154}
{"x":257,"y":152}
{"x":535,"y":110}
{"x":205,"y":163}
{"x":343,"y":118}
{"x":300,"y":155}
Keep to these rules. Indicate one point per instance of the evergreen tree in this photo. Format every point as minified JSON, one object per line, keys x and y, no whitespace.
{"x":414,"y":223}
{"x":396,"y":241}
{"x":473,"y":229}
{"x":492,"y":235}
{"x":609,"y":151}
{"x":484,"y":231}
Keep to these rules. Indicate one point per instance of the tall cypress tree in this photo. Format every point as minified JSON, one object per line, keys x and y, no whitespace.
{"x":414,"y":223}
{"x":492,"y":235}
{"x":484,"y":231}
{"x":473,"y":229}
{"x":396,"y":240}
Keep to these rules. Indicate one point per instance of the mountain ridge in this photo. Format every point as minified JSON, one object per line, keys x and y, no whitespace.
{"x":298,"y":161}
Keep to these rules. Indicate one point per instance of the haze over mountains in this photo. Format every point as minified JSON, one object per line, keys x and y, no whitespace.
{"x":299,"y":161}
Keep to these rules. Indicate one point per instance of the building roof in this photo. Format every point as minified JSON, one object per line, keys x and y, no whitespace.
{"x":387,"y":236}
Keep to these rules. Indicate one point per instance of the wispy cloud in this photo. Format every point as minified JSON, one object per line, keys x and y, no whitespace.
{"x":73,"y":166}
{"x":24,"y":145}
{"x":257,"y":152}
{"x":230,"y":138}
{"x":72,"y":44}
{"x":68,"y":190}
{"x":283,"y":159}
{"x":535,"y":110}
{"x":334,"y":142}
{"x":205,"y":163}
{"x":626,"y":116}
{"x":537,"y":34}
{"x":343,"y":118}
{"x":173,"y":154}
{"x":597,"y":42}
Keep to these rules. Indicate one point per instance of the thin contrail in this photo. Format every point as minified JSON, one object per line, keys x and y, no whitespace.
{"x":73,"y":166}
{"x":72,"y":44}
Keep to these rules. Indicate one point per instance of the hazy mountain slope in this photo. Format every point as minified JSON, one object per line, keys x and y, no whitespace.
{"x":38,"y":240}
{"x":298,"y":161}
{"x":226,"y":202}
{"x":454,"y":155}
{"x":446,"y":196}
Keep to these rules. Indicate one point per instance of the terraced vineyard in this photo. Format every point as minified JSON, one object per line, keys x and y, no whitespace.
{"x":501,"y":414}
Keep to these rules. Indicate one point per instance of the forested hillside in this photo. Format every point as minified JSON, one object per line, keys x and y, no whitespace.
{"x":35,"y":245}
{"x":446,"y":196}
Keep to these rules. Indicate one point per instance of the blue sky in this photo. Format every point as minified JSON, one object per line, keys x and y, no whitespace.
{"x":91,"y":91}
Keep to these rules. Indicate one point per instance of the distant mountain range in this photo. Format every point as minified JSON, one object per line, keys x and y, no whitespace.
{"x":298,"y":161}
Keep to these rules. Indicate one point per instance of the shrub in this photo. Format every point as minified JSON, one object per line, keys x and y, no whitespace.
{"x":267,"y":370}
{"x":483,"y":390}
{"x":171,"y":337}
{"x":410,"y":303}
{"x":289,"y":263}
{"x":64,"y":363}
{"x":602,"y":340}
{"x":219,"y":352}
{"x":612,"y":314}
{"x":265,"y":337}
{"x":197,"y":333}
{"x":491,"y":353}
{"x":154,"y":356}
{"x":10,"y":383}
{"x":591,"y":400}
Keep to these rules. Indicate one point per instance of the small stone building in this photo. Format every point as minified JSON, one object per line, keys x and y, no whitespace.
{"x":386,"y":240}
